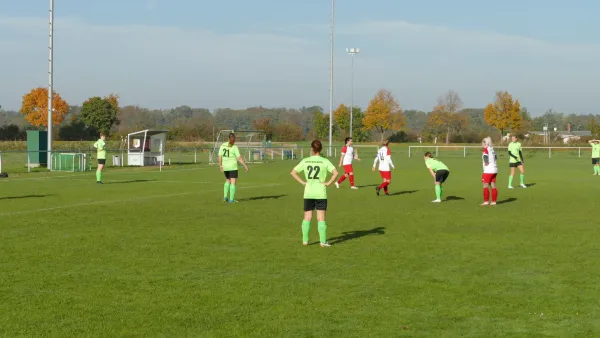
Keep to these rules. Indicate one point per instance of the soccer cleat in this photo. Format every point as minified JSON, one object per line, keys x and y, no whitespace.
{"x":304,"y":243}
{"x":377,"y":189}
{"x":510,"y":187}
{"x":436,"y":201}
{"x":493,"y":203}
{"x":232,"y":201}
{"x":523,"y":186}
{"x":354,"y":188}
{"x":325,"y":245}
{"x":337,"y":185}
{"x":225,"y":199}
{"x":99,"y":182}
{"x":485,"y":203}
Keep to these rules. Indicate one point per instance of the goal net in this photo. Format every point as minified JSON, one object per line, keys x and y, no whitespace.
{"x":252,"y":145}
{"x":73,"y":162}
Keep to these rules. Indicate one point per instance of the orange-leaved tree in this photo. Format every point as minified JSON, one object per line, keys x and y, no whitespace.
{"x":341,"y":116}
{"x":504,"y":113}
{"x":35,"y":107}
{"x":383,"y":114}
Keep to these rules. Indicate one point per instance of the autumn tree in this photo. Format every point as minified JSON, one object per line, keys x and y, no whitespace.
{"x":446,"y":114}
{"x":383,"y":114}
{"x":504,"y":113}
{"x":35,"y":107}
{"x":358,"y":132}
{"x":342,"y":118}
{"x":265,"y":125}
{"x":99,"y":113}
{"x":321,"y":124}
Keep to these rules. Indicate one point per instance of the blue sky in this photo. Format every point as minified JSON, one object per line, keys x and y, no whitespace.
{"x":236,"y":53}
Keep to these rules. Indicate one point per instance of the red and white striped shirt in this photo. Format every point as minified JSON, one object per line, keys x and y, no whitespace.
{"x":348,"y":153}
{"x":384,"y":157}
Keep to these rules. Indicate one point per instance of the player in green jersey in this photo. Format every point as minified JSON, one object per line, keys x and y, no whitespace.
{"x":229,"y":155}
{"x":315,"y":170}
{"x":515,"y":152}
{"x":440,"y":173}
{"x":100,"y":146}
{"x":596,"y":156}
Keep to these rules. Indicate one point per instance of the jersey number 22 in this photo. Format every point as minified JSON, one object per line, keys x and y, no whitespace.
{"x":316,"y":171}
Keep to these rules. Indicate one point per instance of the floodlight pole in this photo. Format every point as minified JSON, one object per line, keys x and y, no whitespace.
{"x":352,"y":52}
{"x":50,"y":85}
{"x":331,"y":79}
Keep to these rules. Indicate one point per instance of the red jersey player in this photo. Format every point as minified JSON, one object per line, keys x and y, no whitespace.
{"x":384,"y":157}
{"x":490,"y":171}
{"x":348,"y":155}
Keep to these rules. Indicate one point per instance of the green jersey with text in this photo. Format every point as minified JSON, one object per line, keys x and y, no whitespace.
{"x":595,"y":150}
{"x":229,"y":155}
{"x":435,"y":165}
{"x":100,"y":145}
{"x":515,"y":149}
{"x":315,"y":170}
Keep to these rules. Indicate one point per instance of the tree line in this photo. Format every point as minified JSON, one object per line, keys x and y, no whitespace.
{"x":447,"y":122}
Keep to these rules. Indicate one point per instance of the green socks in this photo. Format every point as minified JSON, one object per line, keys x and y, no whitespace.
{"x":232,"y":192}
{"x":441,"y":191}
{"x":323,"y":232}
{"x":305,"y":230}
{"x":522,"y":179}
{"x":98,"y":175}
{"x":510,"y":178}
{"x":596,"y":170}
{"x":438,"y":191}
{"x":226,"y":190}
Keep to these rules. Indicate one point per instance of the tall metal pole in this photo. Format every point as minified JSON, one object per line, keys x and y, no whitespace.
{"x":331,"y":79}
{"x":50,"y":85}
{"x":352,"y":94}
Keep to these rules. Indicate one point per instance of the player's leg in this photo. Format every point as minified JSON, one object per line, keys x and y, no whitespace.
{"x":596,"y":164}
{"x":309,"y":207}
{"x":321,"y":206}
{"x":226,"y":186}
{"x":101,"y":163}
{"x":233,"y":176}
{"x":512,"y":174}
{"x":494,"y":190}
{"x":486,"y":189}
{"x":522,"y":176}
{"x":350,"y":171}
{"x":387,"y":184}
{"x":443,"y":178}
{"x":342,"y":179}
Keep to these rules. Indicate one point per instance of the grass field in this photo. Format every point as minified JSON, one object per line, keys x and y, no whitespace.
{"x":158,"y":254}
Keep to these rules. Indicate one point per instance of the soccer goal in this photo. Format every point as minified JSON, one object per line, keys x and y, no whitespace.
{"x":252,"y":145}
{"x":73,"y":162}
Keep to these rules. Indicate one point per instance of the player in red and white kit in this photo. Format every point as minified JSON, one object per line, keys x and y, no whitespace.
{"x":384,"y":157}
{"x":490,"y":171}
{"x":348,"y":155}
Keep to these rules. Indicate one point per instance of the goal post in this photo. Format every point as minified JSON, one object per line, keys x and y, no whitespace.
{"x":71,"y":162}
{"x":252,"y":145}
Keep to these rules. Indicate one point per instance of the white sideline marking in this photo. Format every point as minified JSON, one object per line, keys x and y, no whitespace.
{"x":91,"y":172}
{"x":122,"y":200}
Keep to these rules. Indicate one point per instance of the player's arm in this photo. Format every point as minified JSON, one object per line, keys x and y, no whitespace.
{"x":334,"y":174}
{"x":521,"y":155}
{"x":241,"y":160}
{"x":342,"y":157}
{"x":376,"y":160}
{"x":486,"y":159}
{"x":356,"y":155}
{"x":431,"y":172}
{"x":96,"y":145}
{"x":512,"y":155}
{"x":388,"y":158}
{"x":294,"y":174}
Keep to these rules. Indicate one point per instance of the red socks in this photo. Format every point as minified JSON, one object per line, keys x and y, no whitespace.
{"x":486,"y":195}
{"x":384,"y":186}
{"x":351,"y":180}
{"x":342,"y":179}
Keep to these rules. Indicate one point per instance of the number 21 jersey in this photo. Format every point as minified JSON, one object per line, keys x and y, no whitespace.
{"x":315,"y":170}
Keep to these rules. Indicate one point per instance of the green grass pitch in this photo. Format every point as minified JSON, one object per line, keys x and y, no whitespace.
{"x":159,"y":254}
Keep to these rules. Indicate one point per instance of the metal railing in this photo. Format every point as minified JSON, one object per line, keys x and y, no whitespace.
{"x":463,"y":149}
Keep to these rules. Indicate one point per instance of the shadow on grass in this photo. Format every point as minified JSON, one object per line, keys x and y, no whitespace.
{"x":259,"y":198}
{"x":131,"y":181}
{"x":350,"y":235}
{"x":454,"y":198}
{"x":403,"y":192}
{"x":508,"y":200}
{"x":529,"y":185}
{"x":367,"y":185}
{"x":24,"y":196}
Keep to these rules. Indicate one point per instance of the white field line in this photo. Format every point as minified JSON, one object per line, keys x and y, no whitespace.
{"x":91,"y":173}
{"x":122,"y":200}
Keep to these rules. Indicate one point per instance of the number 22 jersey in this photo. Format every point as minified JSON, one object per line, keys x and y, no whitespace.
{"x":315,"y":170}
